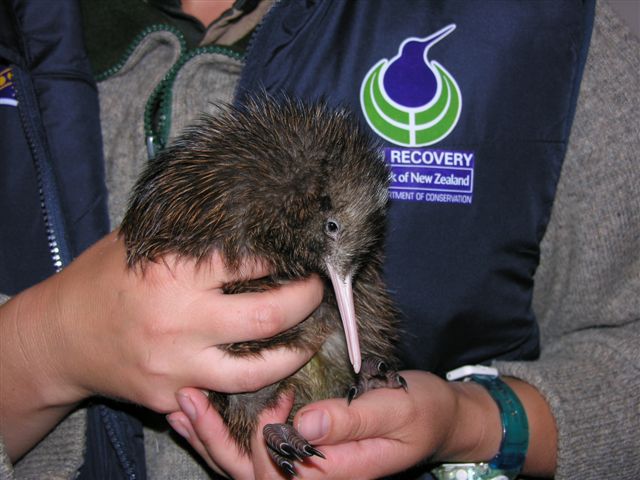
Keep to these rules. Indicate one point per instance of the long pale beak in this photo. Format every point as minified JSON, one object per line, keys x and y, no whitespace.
{"x":344,"y":296}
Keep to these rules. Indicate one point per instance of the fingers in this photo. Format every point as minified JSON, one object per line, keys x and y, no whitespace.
{"x":201,"y":425}
{"x":215,"y":319}
{"x":219,"y":371}
{"x":246,"y":317}
{"x":213,"y":272}
{"x":258,"y":315}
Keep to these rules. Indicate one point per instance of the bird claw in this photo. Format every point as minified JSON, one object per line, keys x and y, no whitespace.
{"x":353,"y":393}
{"x":286,"y":445}
{"x":375,"y":373}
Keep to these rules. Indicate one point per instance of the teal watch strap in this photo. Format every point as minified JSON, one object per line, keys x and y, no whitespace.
{"x":515,"y":426}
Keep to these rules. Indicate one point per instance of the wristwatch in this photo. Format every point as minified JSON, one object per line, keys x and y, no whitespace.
{"x":508,"y":462}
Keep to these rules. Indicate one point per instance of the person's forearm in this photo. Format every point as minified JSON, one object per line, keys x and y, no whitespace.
{"x":32,"y":397}
{"x":477,"y":432}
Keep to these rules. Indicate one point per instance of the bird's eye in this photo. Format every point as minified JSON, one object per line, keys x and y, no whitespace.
{"x":331,"y":227}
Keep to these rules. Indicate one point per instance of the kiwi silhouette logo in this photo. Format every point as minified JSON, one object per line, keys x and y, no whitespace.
{"x":410,"y":100}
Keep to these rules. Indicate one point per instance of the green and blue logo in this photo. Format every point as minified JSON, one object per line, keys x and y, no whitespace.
{"x":410,"y":100}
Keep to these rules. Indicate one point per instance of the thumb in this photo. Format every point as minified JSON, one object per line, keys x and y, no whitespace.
{"x":334,"y":421}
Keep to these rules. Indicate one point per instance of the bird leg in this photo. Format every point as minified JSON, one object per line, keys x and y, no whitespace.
{"x":286,"y":445}
{"x":375,"y":374}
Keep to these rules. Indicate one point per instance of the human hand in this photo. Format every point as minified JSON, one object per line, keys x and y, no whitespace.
{"x":201,"y":425}
{"x":382,"y":432}
{"x":100,"y":328}
{"x":159,"y":332}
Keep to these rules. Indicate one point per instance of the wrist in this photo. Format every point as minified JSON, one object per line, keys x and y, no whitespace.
{"x":33,"y":396}
{"x":510,"y":458}
{"x":476,"y":430}
{"x":36,"y":343}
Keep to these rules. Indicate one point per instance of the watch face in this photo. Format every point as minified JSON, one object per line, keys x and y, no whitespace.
{"x":470,"y":471}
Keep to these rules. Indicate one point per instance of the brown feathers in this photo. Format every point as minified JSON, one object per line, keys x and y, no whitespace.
{"x":251,"y":181}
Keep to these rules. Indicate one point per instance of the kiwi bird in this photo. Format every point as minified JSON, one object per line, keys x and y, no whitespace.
{"x":304,"y":189}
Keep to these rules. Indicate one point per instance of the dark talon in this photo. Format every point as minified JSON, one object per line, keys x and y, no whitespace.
{"x":375,"y":373}
{"x":283,"y":463}
{"x":287,"y":467}
{"x":285,"y":445}
{"x":403,"y":383}
{"x":288,"y":451}
{"x":353,"y":392}
{"x":309,"y":450}
{"x":382,"y":367}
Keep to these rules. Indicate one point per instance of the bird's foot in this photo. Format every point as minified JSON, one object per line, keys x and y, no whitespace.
{"x":286,"y":445}
{"x":374,"y":374}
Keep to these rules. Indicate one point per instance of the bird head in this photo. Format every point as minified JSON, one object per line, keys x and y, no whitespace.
{"x":335,"y":209}
{"x":353,"y":229}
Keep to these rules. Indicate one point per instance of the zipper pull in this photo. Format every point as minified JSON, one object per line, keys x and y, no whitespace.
{"x":151,"y":147}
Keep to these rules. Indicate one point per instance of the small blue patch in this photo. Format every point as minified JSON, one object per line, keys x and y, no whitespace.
{"x":7,"y":91}
{"x":430,"y":175}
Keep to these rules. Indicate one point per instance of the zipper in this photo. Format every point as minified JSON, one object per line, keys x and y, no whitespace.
{"x":157,"y":115}
{"x":59,"y":251}
{"x":149,"y":111}
{"x":114,"y":433}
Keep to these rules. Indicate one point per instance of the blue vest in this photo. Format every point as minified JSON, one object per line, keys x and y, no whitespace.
{"x":473,"y":102}
{"x":53,"y":199}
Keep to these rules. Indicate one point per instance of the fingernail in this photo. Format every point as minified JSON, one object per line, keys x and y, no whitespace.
{"x":313,"y":424}
{"x":187,"y":406}
{"x":179,"y":428}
